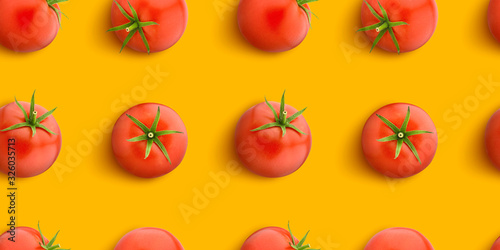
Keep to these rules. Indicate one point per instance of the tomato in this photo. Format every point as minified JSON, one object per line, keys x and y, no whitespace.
{"x":29,"y":141}
{"x":149,"y":25}
{"x":399,"y":238}
{"x":28,"y":25}
{"x":496,"y":245}
{"x":149,"y":140}
{"x":273,"y":145}
{"x":492,"y":139}
{"x":148,"y":238}
{"x":399,"y":140}
{"x":274,"y":238}
{"x":406,"y":26}
{"x":276,"y":25}
{"x":27,"y":238}
{"x":494,"y":18}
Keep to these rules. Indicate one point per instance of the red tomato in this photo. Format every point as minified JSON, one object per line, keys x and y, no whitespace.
{"x":493,"y":139}
{"x":152,"y":145}
{"x":28,"y":25}
{"x":274,"y":238}
{"x":494,"y":18}
{"x":275,"y":151}
{"x":159,"y":24}
{"x":149,"y":238}
{"x":417,"y":143}
{"x":26,"y":238}
{"x":409,"y":23}
{"x":399,"y":238}
{"x":496,"y":245}
{"x":35,"y":148}
{"x":274,"y":26}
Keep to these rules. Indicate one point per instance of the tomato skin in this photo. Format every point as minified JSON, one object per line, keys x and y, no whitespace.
{"x":27,"y":238}
{"x":492,"y":139}
{"x":269,"y":238}
{"x":171,"y":16}
{"x":273,"y":26}
{"x":27,"y":25}
{"x":420,"y":15}
{"x":399,"y":238}
{"x":149,"y":238}
{"x":130,"y":155}
{"x":267,"y":152}
{"x":380,"y":155}
{"x":34,"y":155}
{"x":494,"y":18}
{"x":496,"y":245}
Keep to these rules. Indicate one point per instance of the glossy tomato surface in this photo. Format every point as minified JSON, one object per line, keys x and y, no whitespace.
{"x":494,"y":18}
{"x":496,"y":245}
{"x":131,"y":155}
{"x":27,"y":25}
{"x":273,"y":26}
{"x":26,"y":239}
{"x":269,"y":238}
{"x":399,"y":238}
{"x":381,"y":155}
{"x":267,"y":152}
{"x":170,"y":15}
{"x":149,"y":238}
{"x":492,"y":139}
{"x":420,"y":15}
{"x":34,"y":154}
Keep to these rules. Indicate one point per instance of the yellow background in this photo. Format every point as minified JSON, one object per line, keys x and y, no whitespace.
{"x":214,"y":76}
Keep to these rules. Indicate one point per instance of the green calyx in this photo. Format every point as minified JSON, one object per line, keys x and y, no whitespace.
{"x":383,"y":26}
{"x":151,"y":135}
{"x":49,"y":246}
{"x":52,"y":4}
{"x":31,"y":120}
{"x":133,"y":26}
{"x":281,"y":121}
{"x":300,"y":245}
{"x":401,"y":135}
{"x":302,"y":4}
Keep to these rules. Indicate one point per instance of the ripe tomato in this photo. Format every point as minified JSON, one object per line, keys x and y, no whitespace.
{"x":496,"y":245}
{"x":27,"y":238}
{"x":30,"y":141}
{"x":149,"y":140}
{"x":149,"y":25}
{"x":399,"y":238}
{"x":276,"y":25}
{"x":28,"y":25}
{"x":396,"y":144}
{"x":273,"y":145}
{"x":149,"y":238}
{"x":492,"y":139}
{"x":274,"y":238}
{"x":494,"y":18}
{"x":399,"y":25}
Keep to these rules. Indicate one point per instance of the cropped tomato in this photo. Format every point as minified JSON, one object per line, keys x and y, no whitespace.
{"x":494,"y":18}
{"x":276,"y":25}
{"x":149,"y":25}
{"x":273,"y":145}
{"x":399,"y":238}
{"x":29,"y":141}
{"x":395,"y":144}
{"x":496,"y":245}
{"x":274,"y":238}
{"x":28,"y":25}
{"x":149,"y":238}
{"x":149,"y":140}
{"x":27,"y":238}
{"x":492,"y":139}
{"x":399,"y":25}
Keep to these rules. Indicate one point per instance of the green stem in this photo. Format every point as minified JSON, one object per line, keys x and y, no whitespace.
{"x":132,"y":27}
{"x":382,"y":27}
{"x":283,"y":118}
{"x":32,"y":119}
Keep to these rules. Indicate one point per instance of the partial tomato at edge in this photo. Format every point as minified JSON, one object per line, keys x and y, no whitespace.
{"x":496,"y":245}
{"x":380,"y":142}
{"x":274,"y":238}
{"x":149,"y":238}
{"x":27,"y":238}
{"x":492,"y":139}
{"x":494,"y":18}
{"x":149,"y":126}
{"x":399,"y":238}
